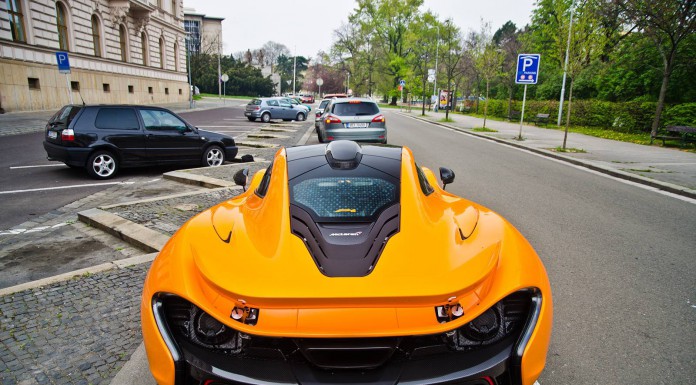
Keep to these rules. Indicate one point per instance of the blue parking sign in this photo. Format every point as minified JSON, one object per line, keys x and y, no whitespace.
{"x":527,"y":68}
{"x":63,"y":62}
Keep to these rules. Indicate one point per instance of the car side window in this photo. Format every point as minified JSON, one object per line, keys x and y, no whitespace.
{"x":158,"y":120}
{"x":273,"y":103}
{"x":117,"y":118}
{"x":284,"y":104}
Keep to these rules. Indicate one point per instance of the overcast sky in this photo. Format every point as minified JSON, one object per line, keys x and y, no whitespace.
{"x":308,"y":25}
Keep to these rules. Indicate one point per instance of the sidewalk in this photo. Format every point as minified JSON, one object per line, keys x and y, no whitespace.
{"x":668,"y":169}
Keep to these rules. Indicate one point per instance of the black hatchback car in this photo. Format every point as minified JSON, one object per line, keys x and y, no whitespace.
{"x":104,"y":138}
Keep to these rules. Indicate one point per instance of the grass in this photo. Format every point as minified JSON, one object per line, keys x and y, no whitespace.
{"x":569,"y":149}
{"x":446,"y":120}
{"x":483,"y":129}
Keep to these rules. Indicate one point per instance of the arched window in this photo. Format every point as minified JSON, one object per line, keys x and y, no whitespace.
{"x":96,"y":36}
{"x":176,"y":56}
{"x":123,"y":41}
{"x":62,"y":22}
{"x":161,"y":52}
{"x":14,"y":9}
{"x":146,"y":49}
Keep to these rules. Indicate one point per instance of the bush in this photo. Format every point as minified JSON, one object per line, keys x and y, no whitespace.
{"x":680,"y":115}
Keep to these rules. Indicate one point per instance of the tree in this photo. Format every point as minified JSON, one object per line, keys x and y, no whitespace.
{"x":489,"y":60}
{"x":667,"y":23}
{"x":286,"y":68}
{"x":273,"y":51}
{"x":506,"y":38}
{"x":422,"y":55}
{"x":452,"y":54}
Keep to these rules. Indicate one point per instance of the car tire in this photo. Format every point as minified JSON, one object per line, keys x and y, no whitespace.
{"x":213,"y":156}
{"x":320,"y":137}
{"x":300,"y":117}
{"x":251,"y":119}
{"x":102,"y":164}
{"x":265,"y":117}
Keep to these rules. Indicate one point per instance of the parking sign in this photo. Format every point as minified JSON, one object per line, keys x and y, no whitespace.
{"x":527,"y":68}
{"x":63,"y":62}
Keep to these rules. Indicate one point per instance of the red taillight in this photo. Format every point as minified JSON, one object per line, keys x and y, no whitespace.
{"x":378,"y":119}
{"x":257,"y":108}
{"x":68,"y":135}
{"x":332,"y":119}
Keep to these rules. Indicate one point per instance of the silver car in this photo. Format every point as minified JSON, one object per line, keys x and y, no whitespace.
{"x":319,"y":111}
{"x":274,"y":108}
{"x":356,"y":119}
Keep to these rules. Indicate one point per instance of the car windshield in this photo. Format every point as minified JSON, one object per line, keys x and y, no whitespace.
{"x":324,"y":103}
{"x":355,"y":109}
{"x":345,"y":198}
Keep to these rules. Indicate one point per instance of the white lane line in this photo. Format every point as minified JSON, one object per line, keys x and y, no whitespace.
{"x":64,"y":187}
{"x":39,"y":165}
{"x":35,"y":229}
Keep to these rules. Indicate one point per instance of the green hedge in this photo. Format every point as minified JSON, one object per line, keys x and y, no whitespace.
{"x":622,"y":117}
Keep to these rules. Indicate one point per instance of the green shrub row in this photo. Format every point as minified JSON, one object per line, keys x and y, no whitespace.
{"x":622,"y":117}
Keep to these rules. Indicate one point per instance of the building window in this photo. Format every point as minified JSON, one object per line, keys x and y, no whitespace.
{"x":122,"y":36}
{"x":146,"y":56}
{"x":14,"y":9}
{"x":75,"y":86}
{"x":131,"y":89}
{"x":96,"y":36}
{"x":161,"y":52}
{"x":106,"y":87}
{"x":62,"y":22}
{"x":193,"y":35}
{"x":34,"y":84}
{"x":166,"y":91}
{"x":174,"y":8}
{"x":149,"y":90}
{"x":180,"y":92}
{"x":176,"y":56}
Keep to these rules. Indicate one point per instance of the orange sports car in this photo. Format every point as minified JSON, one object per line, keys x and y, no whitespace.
{"x":344,"y":264}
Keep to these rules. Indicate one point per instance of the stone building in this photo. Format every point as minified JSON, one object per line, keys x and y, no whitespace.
{"x":121,"y":51}
{"x":203,"y":33}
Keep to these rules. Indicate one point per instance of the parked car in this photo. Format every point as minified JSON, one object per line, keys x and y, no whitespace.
{"x":330,"y":96}
{"x":266,"y":109}
{"x":296,"y":101}
{"x":344,"y":264}
{"x":319,"y":111}
{"x":105,"y":138}
{"x":307,"y":98}
{"x":352,"y":119}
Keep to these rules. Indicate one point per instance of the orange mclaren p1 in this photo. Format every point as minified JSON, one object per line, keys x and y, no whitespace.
{"x":343,"y":264}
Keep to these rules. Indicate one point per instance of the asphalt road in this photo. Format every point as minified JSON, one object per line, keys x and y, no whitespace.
{"x":32,"y":186}
{"x":621,"y":258}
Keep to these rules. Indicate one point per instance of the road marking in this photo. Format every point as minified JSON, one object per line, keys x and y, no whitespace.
{"x":39,"y":165}
{"x":64,"y":187}
{"x":35,"y":229}
{"x":222,"y":127}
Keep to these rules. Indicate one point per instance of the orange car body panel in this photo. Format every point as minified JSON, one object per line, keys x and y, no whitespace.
{"x":426,"y":264}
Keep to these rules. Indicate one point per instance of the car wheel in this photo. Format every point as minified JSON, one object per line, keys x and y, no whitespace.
{"x":213,"y":156}
{"x":266,"y":117}
{"x":320,"y":137}
{"x":102,"y":165}
{"x":251,"y":119}
{"x":300,"y":117}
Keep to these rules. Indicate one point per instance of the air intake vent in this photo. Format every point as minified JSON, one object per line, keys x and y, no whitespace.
{"x":348,"y":353}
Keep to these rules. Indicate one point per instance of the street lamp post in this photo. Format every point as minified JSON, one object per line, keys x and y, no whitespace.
{"x":294,"y":71}
{"x":565,"y":67}
{"x":437,"y":51}
{"x":188,"y":64}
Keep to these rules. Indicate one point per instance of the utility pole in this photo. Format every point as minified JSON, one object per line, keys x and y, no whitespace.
{"x":294,"y":71}
{"x":219,"y":70}
{"x":565,"y":66}
{"x":437,"y":51}
{"x":188,"y":62}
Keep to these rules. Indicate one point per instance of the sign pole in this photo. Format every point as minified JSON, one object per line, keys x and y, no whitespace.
{"x":524,"y":99}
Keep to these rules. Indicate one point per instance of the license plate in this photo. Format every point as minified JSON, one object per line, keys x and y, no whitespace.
{"x":356,"y":125}
{"x":247,"y":113}
{"x":52,"y":134}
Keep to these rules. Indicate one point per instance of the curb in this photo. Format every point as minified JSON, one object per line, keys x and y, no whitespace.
{"x":664,"y":186}
{"x":130,"y":232}
{"x":120,"y":264}
{"x":196,"y":180}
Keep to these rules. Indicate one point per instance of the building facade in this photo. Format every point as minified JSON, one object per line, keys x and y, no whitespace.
{"x":121,"y":51}
{"x":203,"y":33}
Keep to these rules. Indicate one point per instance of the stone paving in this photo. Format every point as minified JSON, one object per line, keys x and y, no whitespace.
{"x":79,"y":331}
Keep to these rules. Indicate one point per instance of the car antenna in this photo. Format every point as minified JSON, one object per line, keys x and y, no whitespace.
{"x":80,"y":93}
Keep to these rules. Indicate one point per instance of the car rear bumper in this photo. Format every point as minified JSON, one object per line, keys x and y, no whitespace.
{"x":74,"y":156}
{"x":253,"y":114}
{"x":360,"y":134}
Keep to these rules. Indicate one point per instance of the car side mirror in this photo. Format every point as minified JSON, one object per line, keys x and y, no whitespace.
{"x":240,"y":178}
{"x":446,"y":176}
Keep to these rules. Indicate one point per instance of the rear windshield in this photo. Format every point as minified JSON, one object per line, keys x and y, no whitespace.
{"x":65,"y":116}
{"x":345,"y":198}
{"x":355,"y":109}
{"x":255,"y":102}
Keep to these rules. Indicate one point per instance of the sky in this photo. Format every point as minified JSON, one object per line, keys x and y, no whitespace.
{"x":307,"y":26}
